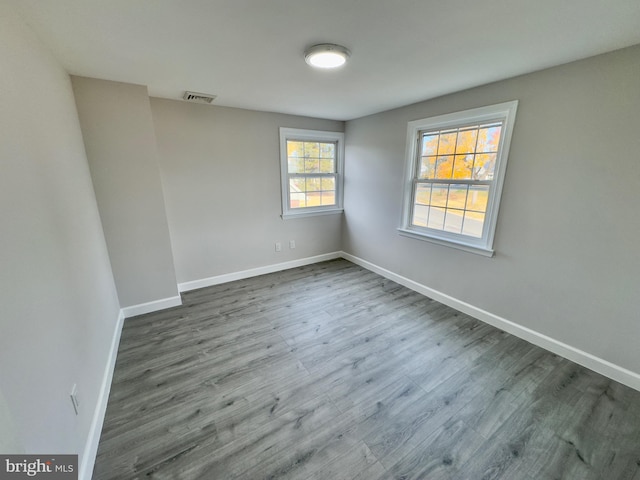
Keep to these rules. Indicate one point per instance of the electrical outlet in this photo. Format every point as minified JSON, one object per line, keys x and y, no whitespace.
{"x":292,"y":244}
{"x":278,"y":247}
{"x":74,"y":398}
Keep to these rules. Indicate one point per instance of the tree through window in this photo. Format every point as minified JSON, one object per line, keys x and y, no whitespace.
{"x":311,"y":165}
{"x":456,"y":167}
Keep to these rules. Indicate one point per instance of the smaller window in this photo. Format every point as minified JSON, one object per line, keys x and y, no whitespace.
{"x":311,"y":163}
{"x":455,"y":170}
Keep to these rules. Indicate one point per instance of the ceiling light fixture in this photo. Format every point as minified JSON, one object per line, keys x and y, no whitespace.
{"x":326,"y":55}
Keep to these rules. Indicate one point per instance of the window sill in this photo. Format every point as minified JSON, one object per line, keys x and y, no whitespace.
{"x":447,"y":243}
{"x":311,"y":213}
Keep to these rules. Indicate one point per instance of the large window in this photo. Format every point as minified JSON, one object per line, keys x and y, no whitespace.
{"x":454,"y":174}
{"x":311,"y":164}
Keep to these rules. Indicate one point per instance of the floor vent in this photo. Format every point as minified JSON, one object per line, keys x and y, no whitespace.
{"x":198,"y":97}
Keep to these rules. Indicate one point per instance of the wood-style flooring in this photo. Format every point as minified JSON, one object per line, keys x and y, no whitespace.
{"x":331,"y":372}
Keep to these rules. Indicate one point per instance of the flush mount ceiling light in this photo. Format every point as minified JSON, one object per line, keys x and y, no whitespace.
{"x":326,"y":55}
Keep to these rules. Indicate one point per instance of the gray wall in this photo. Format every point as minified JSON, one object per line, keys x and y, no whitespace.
{"x":121,"y":148}
{"x":567,"y":262}
{"x":58,"y":303}
{"x":220,"y":171}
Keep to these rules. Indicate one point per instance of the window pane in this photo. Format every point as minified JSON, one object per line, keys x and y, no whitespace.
{"x":311,"y":165}
{"x":453,"y":220}
{"x":457,"y":196}
{"x":477,"y":198}
{"x":297,"y":200}
{"x":427,"y":167}
{"x":312,"y":191}
{"x":430,"y":144}
{"x":462,"y":166}
{"x":296,"y":185}
{"x":489,"y":139}
{"x":295,"y":149}
{"x":436,"y":218}
{"x":473,"y":223}
{"x":484,"y":166}
{"x":327,"y":165}
{"x":296,"y":165}
{"x":313,"y":185}
{"x":439,"y":195}
{"x":423,"y":194}
{"x":444,"y":167}
{"x":447,"y":143}
{"x":329,"y":183}
{"x":328,"y":150}
{"x":312,"y":150}
{"x":420,"y":215}
{"x":328,"y":198}
{"x":467,"y":141}
{"x":314,"y":199}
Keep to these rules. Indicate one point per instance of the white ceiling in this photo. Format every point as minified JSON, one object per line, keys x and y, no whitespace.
{"x":250,"y":52}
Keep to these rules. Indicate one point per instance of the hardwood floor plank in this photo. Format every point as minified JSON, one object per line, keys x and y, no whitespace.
{"x":271,"y":442}
{"x":373,"y":472}
{"x":331,"y":444}
{"x":440,"y":455}
{"x":342,"y":467}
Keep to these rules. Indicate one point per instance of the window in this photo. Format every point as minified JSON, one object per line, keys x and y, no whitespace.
{"x":311,"y":164}
{"x":455,"y":169}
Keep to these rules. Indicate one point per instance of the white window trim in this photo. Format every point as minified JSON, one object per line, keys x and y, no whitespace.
{"x":304,"y":135}
{"x":483,"y":246}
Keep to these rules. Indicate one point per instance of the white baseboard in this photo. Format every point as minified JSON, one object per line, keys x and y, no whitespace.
{"x":154,"y":306}
{"x":604,"y":367}
{"x":254,"y":272}
{"x":88,"y":459}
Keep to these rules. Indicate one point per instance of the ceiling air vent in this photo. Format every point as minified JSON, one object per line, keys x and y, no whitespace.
{"x":198,"y":97}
